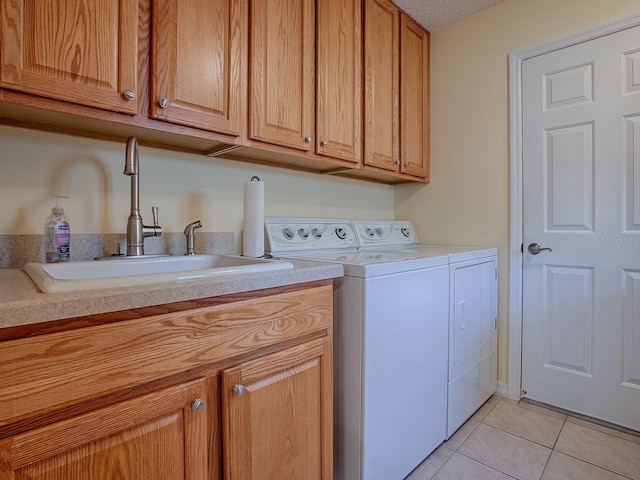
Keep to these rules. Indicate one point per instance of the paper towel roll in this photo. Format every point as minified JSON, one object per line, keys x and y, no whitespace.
{"x":253,"y":222}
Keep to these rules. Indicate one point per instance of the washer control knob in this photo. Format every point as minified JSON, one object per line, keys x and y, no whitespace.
{"x":288,"y":233}
{"x":405,"y":231}
{"x":303,"y":232}
{"x":369,"y":231}
{"x":317,"y":233}
{"x":379,"y":231}
{"x":341,"y":233}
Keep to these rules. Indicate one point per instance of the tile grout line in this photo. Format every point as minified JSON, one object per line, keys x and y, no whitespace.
{"x":582,"y":459}
{"x":481,"y":422}
{"x":553,"y":448}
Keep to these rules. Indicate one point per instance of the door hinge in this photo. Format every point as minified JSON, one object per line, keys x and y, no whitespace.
{"x":495,"y":323}
{"x":522,"y":248}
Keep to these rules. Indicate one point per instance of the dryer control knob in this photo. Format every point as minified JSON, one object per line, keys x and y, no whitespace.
{"x":341,"y":233}
{"x":316,"y":232}
{"x":288,"y":233}
{"x":304,"y":233}
{"x":405,"y":231}
{"x":369,"y":231}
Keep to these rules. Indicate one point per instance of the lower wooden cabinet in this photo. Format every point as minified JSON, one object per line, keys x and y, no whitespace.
{"x":277,"y":415}
{"x":240,"y":388}
{"x":160,"y":436}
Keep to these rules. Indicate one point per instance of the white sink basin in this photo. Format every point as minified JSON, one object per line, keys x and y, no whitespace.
{"x":126,"y":272}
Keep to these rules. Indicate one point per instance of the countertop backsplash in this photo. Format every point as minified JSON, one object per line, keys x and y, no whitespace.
{"x":18,"y":250}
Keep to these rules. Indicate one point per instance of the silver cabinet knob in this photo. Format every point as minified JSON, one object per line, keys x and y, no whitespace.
{"x":396,"y":161}
{"x":197,"y":405}
{"x":534,"y":249}
{"x":308,"y":139}
{"x":406,"y":163}
{"x":237,"y":390}
{"x":129,"y":94}
{"x":324,"y":143}
{"x":163,"y":102}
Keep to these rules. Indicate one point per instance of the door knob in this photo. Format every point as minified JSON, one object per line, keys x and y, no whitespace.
{"x":534,"y":249}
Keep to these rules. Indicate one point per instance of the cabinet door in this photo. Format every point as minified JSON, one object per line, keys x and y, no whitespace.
{"x":197,"y":63}
{"x":381,"y":85}
{"x":281,"y":75}
{"x":414,"y":102}
{"x":80,"y":51}
{"x":339,"y":79}
{"x":277,"y":419}
{"x":160,"y":436}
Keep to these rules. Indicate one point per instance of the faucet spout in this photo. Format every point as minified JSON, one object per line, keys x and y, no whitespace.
{"x":190,"y":234}
{"x":137,"y":231}
{"x":131,"y":160}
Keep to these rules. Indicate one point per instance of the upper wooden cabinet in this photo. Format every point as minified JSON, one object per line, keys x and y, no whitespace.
{"x":84,"y":52}
{"x":333,"y":86}
{"x":160,"y":436}
{"x":414,"y":99}
{"x":281,"y":72}
{"x":198,"y":63}
{"x":381,"y":84}
{"x":396,"y":92}
{"x":339,"y":79}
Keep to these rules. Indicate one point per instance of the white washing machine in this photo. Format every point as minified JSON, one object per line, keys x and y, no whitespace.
{"x":473,"y":316}
{"x":391,"y":343}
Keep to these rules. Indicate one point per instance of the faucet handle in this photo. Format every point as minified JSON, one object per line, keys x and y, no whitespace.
{"x":154,"y":212}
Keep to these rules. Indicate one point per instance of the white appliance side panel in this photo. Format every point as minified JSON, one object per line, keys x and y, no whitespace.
{"x":348,"y":317}
{"x":405,"y":370}
{"x":472,"y":314}
{"x":490,"y":327}
{"x":489,"y":375}
{"x":470,"y":390}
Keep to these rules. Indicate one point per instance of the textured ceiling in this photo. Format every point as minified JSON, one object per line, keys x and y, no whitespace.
{"x":434,"y":14}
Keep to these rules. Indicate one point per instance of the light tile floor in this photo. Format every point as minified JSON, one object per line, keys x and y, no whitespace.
{"x":506,"y":439}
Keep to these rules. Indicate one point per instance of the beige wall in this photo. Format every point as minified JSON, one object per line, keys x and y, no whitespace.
{"x":467,"y":201}
{"x":35,"y":166}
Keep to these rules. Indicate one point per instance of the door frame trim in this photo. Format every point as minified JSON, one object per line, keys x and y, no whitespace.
{"x":516,"y":258}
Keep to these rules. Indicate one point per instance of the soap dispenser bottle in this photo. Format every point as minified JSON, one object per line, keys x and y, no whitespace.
{"x":57,"y":235}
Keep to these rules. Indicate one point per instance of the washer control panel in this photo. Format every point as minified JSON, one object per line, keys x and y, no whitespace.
{"x":299,"y":235}
{"x":387,"y":233}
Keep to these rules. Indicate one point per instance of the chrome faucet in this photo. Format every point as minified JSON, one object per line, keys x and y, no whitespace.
{"x":137,"y":231}
{"x":190,"y":234}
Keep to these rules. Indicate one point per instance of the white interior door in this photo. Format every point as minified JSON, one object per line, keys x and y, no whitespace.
{"x":581,"y":197}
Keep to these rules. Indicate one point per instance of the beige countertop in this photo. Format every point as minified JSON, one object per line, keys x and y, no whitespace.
{"x":22,"y":304}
